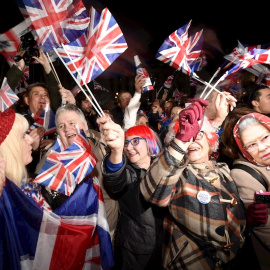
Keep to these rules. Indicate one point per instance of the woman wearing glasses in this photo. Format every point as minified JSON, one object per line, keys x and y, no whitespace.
{"x":205,"y":224}
{"x":139,"y":226}
{"x":248,"y":143}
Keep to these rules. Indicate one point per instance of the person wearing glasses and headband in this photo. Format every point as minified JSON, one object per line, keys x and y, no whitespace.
{"x":249,"y":140}
{"x":139,"y":232}
{"x":206,"y":220}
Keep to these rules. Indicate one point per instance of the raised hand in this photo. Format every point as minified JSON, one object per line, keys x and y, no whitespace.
{"x":188,"y":120}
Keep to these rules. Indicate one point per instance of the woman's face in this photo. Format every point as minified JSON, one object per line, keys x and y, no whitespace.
{"x":26,"y":141}
{"x":255,"y":140}
{"x":138,"y":152}
{"x":198,"y":151}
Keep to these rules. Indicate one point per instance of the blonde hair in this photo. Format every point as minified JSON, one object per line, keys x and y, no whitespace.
{"x":11,"y":151}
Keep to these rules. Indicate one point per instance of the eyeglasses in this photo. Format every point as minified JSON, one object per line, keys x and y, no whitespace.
{"x":199,"y":135}
{"x":253,"y":146}
{"x":134,"y":141}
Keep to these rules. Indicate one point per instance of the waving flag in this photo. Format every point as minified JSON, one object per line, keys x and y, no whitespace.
{"x":8,"y":97}
{"x":97,"y":49}
{"x":179,"y":50}
{"x":232,"y":84}
{"x":64,"y":167}
{"x":252,"y":57}
{"x":49,"y":125}
{"x":168,"y":82}
{"x":143,"y":72}
{"x":10,"y":41}
{"x":74,"y":237}
{"x":98,"y":86}
{"x":57,"y":22}
{"x":178,"y":95}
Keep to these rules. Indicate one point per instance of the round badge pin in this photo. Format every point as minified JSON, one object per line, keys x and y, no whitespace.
{"x":203,"y":197}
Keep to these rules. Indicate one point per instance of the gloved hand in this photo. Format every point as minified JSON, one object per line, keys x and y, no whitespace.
{"x":257,"y":214}
{"x":188,"y":120}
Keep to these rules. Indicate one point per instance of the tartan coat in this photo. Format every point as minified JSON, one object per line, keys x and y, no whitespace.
{"x":196,"y":235}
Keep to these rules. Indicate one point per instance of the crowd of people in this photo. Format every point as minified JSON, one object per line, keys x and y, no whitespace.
{"x":178,"y":181}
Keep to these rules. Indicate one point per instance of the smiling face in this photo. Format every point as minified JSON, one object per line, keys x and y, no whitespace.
{"x":138,"y":154}
{"x":37,"y":99}
{"x":252,"y":135}
{"x":67,"y":123}
{"x":199,"y":150}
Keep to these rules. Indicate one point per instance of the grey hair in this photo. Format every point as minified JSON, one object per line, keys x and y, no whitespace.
{"x":69,"y":108}
{"x":247,"y":122}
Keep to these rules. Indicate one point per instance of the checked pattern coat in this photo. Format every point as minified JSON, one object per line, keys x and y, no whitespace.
{"x":197,"y":236}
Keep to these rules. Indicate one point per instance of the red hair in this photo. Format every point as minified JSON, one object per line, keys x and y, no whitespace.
{"x":148,"y":134}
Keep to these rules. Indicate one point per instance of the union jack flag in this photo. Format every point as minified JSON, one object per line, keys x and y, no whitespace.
{"x":48,"y":124}
{"x":248,"y":56}
{"x":143,"y":72}
{"x":178,"y":95}
{"x":8,"y":97}
{"x":10,"y":41}
{"x":262,"y":73}
{"x":97,"y":49}
{"x":98,"y":86}
{"x":252,"y":57}
{"x":64,"y":167}
{"x":232,"y":84}
{"x":179,"y":50}
{"x":36,"y":236}
{"x":9,"y":44}
{"x":168,"y":82}
{"x":57,"y":22}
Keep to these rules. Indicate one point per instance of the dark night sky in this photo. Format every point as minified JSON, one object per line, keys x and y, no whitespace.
{"x":146,"y":25}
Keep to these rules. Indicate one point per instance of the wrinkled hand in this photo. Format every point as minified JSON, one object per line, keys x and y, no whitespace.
{"x":188,"y":120}
{"x":37,"y":134}
{"x":257,"y":214}
{"x":67,"y":95}
{"x":2,"y":174}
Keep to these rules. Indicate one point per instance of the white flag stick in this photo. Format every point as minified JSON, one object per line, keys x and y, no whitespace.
{"x":196,"y":77}
{"x":215,"y":74}
{"x":213,"y":87}
{"x":102,"y":113}
{"x":98,"y":112}
{"x":56,"y":76}
{"x":45,"y":124}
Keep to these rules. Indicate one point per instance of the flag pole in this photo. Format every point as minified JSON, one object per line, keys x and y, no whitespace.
{"x":215,"y":74}
{"x":56,"y":76}
{"x":218,"y":81}
{"x":99,"y":113}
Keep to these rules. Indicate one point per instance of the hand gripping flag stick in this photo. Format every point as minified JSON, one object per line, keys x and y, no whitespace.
{"x":99,"y":113}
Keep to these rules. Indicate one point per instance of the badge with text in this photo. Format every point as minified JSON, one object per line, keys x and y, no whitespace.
{"x":203,"y":197}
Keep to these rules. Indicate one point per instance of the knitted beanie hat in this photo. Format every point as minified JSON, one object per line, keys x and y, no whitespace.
{"x":7,"y":119}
